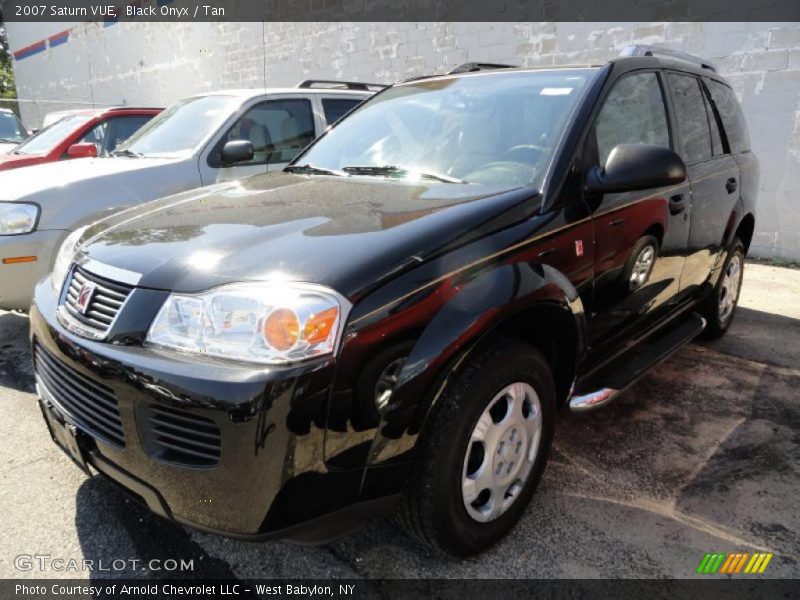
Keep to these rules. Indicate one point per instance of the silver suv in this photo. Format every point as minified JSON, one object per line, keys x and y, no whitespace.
{"x":199,"y":141}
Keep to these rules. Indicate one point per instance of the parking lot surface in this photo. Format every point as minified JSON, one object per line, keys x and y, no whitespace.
{"x":702,"y":455}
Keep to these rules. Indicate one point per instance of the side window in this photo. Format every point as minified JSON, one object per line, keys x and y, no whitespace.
{"x":109,"y":134}
{"x":713,"y":122}
{"x":120,"y":129}
{"x":96,"y":135}
{"x":731,"y":114}
{"x":633,"y":113}
{"x":278,"y":130}
{"x":690,"y":111}
{"x":336,"y":108}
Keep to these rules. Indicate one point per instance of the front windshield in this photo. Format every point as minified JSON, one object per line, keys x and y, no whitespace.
{"x":11,"y":130}
{"x":181,"y":128}
{"x":46,"y":140}
{"x":491,"y":128}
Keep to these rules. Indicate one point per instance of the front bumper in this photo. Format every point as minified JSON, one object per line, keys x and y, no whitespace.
{"x":18,"y":280}
{"x":270,"y":479}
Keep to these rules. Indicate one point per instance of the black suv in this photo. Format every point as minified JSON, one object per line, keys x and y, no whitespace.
{"x":392,"y":324}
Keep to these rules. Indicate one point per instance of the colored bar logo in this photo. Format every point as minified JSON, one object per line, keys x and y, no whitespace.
{"x":734,"y":563}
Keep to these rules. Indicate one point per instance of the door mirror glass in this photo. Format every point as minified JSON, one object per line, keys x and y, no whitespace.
{"x":633,"y":167}
{"x":86,"y":150}
{"x":237,"y":151}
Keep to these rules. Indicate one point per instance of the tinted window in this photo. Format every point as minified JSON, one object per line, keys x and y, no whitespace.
{"x":278,"y":130}
{"x":106,"y":136}
{"x":336,"y":108}
{"x":731,"y":114}
{"x":713,"y":121}
{"x":690,"y":112}
{"x":633,"y":113}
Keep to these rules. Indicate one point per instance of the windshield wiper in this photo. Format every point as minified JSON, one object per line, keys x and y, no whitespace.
{"x":313,"y":170}
{"x":9,"y":141}
{"x":395,"y":171}
{"x":128,"y":153}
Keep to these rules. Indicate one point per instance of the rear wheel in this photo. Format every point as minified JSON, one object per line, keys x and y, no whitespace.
{"x":484,"y":450}
{"x":720,"y":307}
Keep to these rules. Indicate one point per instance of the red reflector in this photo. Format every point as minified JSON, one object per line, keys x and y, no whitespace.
{"x":579,"y":247}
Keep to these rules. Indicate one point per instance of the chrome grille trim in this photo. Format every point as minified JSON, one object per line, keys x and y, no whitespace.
{"x":102,"y":309}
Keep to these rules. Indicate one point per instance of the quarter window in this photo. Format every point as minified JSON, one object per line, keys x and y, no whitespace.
{"x":278,"y":130}
{"x":693,"y":123}
{"x":336,"y":108}
{"x":731,"y":114}
{"x":633,"y":113}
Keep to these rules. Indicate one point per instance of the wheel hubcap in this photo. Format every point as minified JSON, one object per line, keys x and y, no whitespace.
{"x":501,"y":452}
{"x":729,"y":288}
{"x":642,"y":266}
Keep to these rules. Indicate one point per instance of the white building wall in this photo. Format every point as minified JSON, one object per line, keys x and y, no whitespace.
{"x":157,"y":63}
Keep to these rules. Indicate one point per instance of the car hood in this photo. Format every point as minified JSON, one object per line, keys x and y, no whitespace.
{"x":71,"y":192}
{"x":349,"y":234}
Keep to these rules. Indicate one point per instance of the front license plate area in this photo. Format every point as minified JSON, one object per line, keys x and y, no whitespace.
{"x":69,"y":438}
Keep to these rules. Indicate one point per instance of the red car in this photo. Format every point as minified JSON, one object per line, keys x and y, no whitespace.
{"x":81,"y":134}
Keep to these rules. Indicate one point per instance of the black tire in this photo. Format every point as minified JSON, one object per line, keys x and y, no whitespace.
{"x":433,"y":509}
{"x":716,"y":325}
{"x":638,"y":249}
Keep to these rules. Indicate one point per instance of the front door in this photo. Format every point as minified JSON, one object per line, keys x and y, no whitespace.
{"x":640,"y":237}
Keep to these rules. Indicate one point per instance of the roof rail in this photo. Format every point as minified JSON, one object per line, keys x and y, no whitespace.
{"x":350,"y":85}
{"x":474,"y":66}
{"x":643,"y":50}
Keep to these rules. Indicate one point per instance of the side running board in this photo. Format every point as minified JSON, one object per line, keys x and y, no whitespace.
{"x":617,"y":377}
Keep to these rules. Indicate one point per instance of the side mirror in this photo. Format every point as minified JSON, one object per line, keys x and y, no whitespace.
{"x":82,"y":151}
{"x":631,"y":167}
{"x":237,"y":151}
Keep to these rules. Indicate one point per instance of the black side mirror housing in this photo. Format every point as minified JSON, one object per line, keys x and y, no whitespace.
{"x":632,"y":167}
{"x":237,"y":151}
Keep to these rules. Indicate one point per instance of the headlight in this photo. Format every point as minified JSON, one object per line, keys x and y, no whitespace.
{"x":263,"y":323}
{"x":64,"y":258}
{"x":17,"y":218}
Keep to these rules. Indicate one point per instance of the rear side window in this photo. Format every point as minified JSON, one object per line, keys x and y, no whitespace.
{"x":633,"y":113}
{"x":731,"y":114}
{"x":690,"y":112}
{"x":336,"y":108}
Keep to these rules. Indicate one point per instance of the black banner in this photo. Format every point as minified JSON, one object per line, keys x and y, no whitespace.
{"x":389,"y":589}
{"x":399,"y":10}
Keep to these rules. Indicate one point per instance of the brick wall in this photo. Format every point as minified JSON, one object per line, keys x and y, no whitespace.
{"x":159,"y":63}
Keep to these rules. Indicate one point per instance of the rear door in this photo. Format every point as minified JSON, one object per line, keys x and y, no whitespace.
{"x":713,"y":177}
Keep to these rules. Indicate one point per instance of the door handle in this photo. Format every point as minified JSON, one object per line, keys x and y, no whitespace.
{"x":616,"y":222}
{"x":730,"y":185}
{"x":676,"y":205}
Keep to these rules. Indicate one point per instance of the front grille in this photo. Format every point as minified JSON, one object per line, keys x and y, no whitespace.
{"x":90,"y":405}
{"x":181,"y":438}
{"x":104,"y":301}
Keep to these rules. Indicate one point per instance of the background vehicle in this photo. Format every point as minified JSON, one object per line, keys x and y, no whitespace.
{"x":12,"y":132}
{"x":198,"y":141}
{"x":393,"y":324}
{"x":80,"y":134}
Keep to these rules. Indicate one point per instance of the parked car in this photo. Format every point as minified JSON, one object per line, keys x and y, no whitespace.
{"x":198,"y":141}
{"x":392,"y":323}
{"x":85,"y":133}
{"x":12,"y":132}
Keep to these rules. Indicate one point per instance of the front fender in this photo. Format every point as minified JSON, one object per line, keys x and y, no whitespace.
{"x":475,"y":310}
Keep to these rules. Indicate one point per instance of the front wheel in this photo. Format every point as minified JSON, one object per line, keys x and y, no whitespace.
{"x":719,"y":308}
{"x":484,"y":450}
